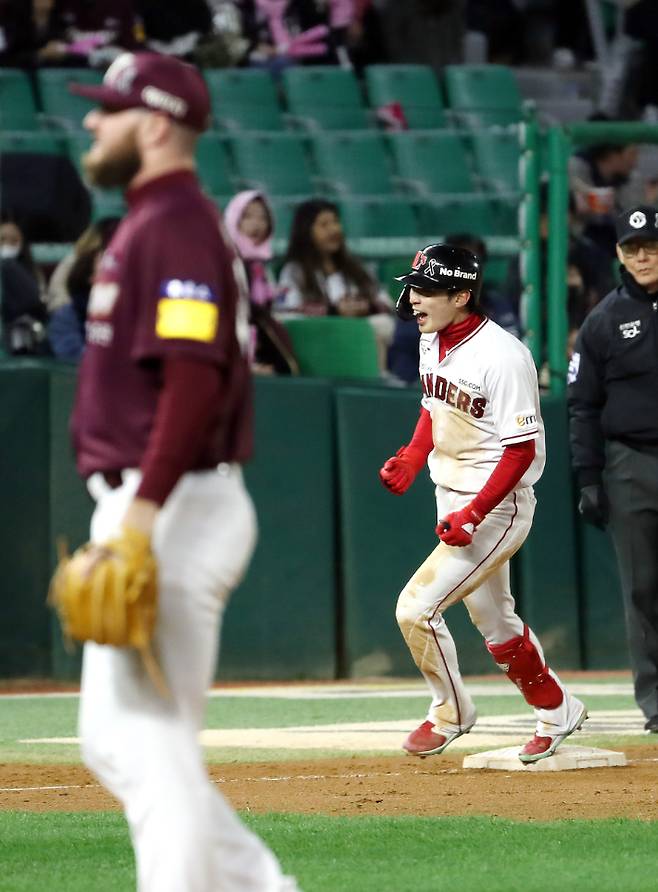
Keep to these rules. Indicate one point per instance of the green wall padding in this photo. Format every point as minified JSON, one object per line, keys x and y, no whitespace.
{"x":604,"y":630}
{"x":385,"y":537}
{"x":548,"y":557}
{"x":280,"y":623}
{"x":71,"y":506}
{"x":24,"y":521}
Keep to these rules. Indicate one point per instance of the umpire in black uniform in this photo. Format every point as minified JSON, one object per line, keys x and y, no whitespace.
{"x":613,"y":408}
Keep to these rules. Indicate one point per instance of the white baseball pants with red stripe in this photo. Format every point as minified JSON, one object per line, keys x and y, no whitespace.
{"x":145,"y":750}
{"x":479,"y":575}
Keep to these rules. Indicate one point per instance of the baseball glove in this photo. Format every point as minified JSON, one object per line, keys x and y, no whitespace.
{"x":108,"y":594}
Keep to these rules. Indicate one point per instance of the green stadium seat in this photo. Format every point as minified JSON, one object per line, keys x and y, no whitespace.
{"x":482,"y":95}
{"x":33,"y":141}
{"x":415,"y":87}
{"x":378,"y":218}
{"x":213,"y":165}
{"x":332,"y":347}
{"x":432,"y":162}
{"x":389,"y":268}
{"x":274,"y":162}
{"x":324,"y":97}
{"x":59,"y":105}
{"x":18,"y":109}
{"x":284,"y":211}
{"x":497,"y":156}
{"x":244,"y":100}
{"x":483,"y":215}
{"x":353,"y":163}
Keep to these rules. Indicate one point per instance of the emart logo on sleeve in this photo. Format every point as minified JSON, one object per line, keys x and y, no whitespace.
{"x":188,"y":310}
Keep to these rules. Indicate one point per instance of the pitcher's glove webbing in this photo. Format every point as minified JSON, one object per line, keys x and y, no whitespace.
{"x":110,"y":598}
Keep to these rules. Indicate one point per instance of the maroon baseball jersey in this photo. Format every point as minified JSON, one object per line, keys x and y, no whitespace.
{"x":166,"y":286}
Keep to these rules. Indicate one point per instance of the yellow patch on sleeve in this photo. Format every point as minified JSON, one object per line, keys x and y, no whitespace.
{"x":193,"y":320}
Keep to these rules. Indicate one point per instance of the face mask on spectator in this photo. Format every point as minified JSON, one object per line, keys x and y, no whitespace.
{"x":9,"y":252}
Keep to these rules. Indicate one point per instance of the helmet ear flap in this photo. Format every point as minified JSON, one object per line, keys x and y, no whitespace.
{"x":403,"y":305}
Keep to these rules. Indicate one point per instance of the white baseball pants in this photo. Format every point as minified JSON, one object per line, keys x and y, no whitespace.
{"x":479,"y":575}
{"x":145,"y":750}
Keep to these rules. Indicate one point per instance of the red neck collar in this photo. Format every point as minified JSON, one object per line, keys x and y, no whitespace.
{"x":450,"y":336}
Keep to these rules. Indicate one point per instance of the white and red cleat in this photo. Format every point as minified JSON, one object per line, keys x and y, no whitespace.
{"x":543,"y":747}
{"x":428,"y":740}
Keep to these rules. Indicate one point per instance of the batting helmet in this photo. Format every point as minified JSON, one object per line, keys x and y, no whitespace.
{"x":440,"y":268}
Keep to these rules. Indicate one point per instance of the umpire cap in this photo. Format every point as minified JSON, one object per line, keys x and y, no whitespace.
{"x":440,"y":268}
{"x":639,"y":222}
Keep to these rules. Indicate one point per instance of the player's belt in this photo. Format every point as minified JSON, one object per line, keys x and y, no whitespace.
{"x":114,"y":479}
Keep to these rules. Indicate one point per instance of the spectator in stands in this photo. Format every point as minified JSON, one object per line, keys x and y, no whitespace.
{"x":90,"y":32}
{"x":15,"y":246}
{"x":403,"y":352}
{"x":604,"y":180}
{"x":175,"y":28}
{"x":70,"y":286}
{"x":250,"y":224}
{"x":594,"y":265}
{"x":502,"y":25}
{"x":578,"y":301}
{"x":495,"y":303}
{"x":25,"y":30}
{"x":364,"y":36}
{"x":23,"y":310}
{"x":641,"y":24}
{"x":321,"y":277}
{"x":426,"y":32}
{"x":284,"y":32}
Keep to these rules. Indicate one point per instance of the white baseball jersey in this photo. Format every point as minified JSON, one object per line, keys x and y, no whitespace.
{"x":482,"y":397}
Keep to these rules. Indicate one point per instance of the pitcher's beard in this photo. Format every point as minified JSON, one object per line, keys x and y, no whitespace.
{"x":113,"y":172}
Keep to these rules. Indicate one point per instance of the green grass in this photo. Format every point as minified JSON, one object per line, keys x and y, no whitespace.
{"x":76,"y":853}
{"x":37,"y":717}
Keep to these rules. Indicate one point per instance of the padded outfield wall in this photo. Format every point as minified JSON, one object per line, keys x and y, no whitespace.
{"x":334,"y":550}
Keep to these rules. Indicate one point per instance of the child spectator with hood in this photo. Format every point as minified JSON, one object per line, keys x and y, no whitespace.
{"x":250,"y":224}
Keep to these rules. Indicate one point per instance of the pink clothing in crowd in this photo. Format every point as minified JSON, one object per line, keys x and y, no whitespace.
{"x":307,"y":43}
{"x":254,"y":254}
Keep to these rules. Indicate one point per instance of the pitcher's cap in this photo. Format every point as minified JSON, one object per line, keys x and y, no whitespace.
{"x":639,"y":222}
{"x":155,"y":82}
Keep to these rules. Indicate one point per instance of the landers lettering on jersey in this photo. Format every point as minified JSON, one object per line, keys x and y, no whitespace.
{"x":448,"y":392}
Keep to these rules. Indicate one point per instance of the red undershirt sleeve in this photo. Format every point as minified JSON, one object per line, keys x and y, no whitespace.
{"x":188,"y":402}
{"x":422,"y":442}
{"x":512,"y":465}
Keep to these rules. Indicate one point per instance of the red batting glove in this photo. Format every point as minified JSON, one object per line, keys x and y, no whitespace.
{"x":457,"y":528}
{"x":399,"y":472}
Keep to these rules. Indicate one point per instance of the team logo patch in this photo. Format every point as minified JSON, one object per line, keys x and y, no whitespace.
{"x":187,"y":289}
{"x":192,"y":320}
{"x":637,"y":220}
{"x":121,"y":73}
{"x":419,"y":260}
{"x":630,"y":329}
{"x":526,"y":420}
{"x":574,"y":366}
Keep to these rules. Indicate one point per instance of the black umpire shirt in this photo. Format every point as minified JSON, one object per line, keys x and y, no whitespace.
{"x":613,"y":378}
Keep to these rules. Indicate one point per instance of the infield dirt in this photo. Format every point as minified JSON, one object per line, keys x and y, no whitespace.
{"x":375,"y":786}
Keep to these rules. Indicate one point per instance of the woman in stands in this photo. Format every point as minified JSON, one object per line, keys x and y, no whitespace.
{"x":249,"y":221}
{"x":70,"y":288}
{"x":321,"y":277}
{"x":22,"y":286}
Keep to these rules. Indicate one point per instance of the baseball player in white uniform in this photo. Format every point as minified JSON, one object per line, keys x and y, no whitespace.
{"x":480,"y":432}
